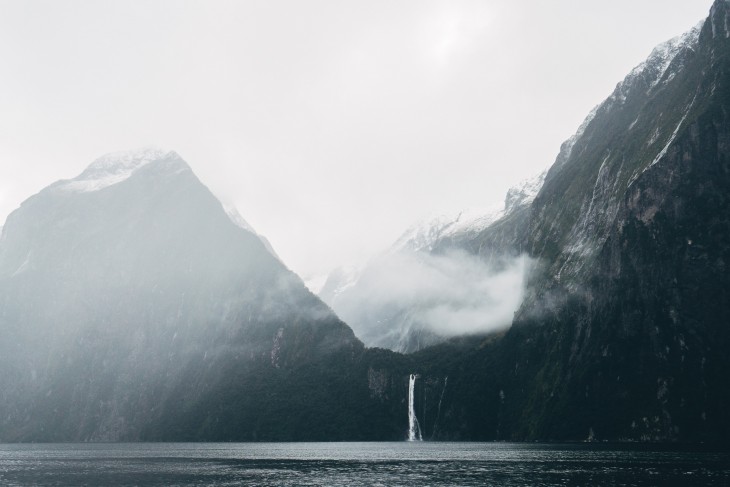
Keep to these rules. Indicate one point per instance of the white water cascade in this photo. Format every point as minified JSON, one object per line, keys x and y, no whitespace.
{"x":414,"y":431}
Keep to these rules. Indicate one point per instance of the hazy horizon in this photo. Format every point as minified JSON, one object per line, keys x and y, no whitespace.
{"x":330,"y":126}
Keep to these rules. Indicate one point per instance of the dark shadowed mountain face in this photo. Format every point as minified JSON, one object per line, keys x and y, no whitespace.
{"x":636,"y":254}
{"x":131,"y":299}
{"x":625,"y":326}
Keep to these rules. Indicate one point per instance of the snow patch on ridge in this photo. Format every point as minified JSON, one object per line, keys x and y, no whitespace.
{"x":237,"y":219}
{"x":116,"y":167}
{"x":524,"y":192}
{"x":424,"y":234}
{"x":113,"y":168}
{"x":661,"y":56}
{"x":336,"y":282}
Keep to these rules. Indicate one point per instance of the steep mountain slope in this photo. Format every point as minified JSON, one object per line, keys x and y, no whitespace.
{"x":644,"y":338}
{"x":440,"y":278}
{"x":133,"y":307}
{"x":623,"y":332}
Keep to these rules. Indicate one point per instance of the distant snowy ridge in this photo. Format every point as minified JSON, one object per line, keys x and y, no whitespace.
{"x":524,"y":192}
{"x":392,"y":301}
{"x":658,"y":62}
{"x":422,"y":235}
{"x":425,"y":233}
{"x":336,"y":282}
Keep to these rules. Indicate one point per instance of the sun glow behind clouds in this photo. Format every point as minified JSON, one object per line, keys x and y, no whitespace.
{"x":454,"y":29}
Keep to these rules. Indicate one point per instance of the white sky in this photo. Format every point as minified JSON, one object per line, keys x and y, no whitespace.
{"x":331,"y":125}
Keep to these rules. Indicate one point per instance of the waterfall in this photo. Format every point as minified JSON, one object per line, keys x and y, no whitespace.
{"x":414,"y":431}
{"x":438,"y":410}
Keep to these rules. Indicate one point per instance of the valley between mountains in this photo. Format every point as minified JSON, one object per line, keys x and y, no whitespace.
{"x":591,"y":304}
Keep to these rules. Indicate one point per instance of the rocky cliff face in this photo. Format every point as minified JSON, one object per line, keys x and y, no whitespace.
{"x":621,"y":138}
{"x":636,"y":255}
{"x":623,"y":333}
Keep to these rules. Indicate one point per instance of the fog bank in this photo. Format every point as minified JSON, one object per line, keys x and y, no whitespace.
{"x":404,"y":300}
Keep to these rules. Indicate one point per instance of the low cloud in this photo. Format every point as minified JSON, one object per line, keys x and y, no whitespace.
{"x":446,"y":295}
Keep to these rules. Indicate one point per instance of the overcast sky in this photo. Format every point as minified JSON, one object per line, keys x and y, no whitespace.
{"x":331,"y":125}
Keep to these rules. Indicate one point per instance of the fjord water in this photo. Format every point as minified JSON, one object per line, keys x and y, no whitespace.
{"x":360,"y":464}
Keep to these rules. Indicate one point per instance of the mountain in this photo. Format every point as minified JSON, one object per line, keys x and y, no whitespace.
{"x":634,"y":278}
{"x":134,"y":308}
{"x":445,"y":276}
{"x":623,"y":333}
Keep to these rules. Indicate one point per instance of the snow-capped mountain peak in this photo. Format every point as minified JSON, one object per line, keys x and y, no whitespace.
{"x":115,"y":167}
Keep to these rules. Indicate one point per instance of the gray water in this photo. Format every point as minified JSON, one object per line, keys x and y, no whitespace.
{"x":360,"y":464}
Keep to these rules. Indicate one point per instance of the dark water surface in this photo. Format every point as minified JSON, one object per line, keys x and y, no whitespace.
{"x":360,"y":464}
